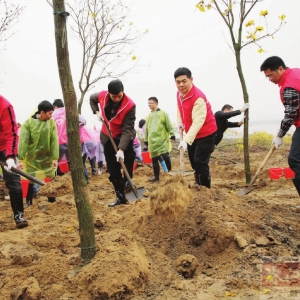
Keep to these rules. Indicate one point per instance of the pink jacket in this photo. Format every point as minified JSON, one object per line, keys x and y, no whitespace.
{"x":88,"y":140}
{"x":59,"y":115}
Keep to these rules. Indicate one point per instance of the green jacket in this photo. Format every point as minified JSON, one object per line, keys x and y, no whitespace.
{"x":38,"y":147}
{"x":158,"y":132}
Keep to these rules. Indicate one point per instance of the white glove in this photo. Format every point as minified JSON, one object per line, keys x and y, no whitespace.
{"x":182,"y":144}
{"x":277,"y":141}
{"x":120,"y":154}
{"x":244,"y":107}
{"x":10,"y":163}
{"x":179,"y":125}
{"x":99,"y":116}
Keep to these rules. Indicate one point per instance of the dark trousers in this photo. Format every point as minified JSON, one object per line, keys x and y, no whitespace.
{"x":294,"y":155}
{"x":155,"y":164}
{"x":30,"y":194}
{"x":114,"y":167}
{"x":86,"y":174}
{"x":199,"y":154}
{"x":93,"y":165}
{"x":13,"y":184}
{"x":63,"y":152}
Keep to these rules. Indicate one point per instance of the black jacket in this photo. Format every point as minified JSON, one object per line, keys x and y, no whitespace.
{"x":222,"y":123}
{"x":128,"y":132}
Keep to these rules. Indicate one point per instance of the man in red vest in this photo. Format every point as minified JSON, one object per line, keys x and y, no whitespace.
{"x":289,"y":82}
{"x":118,"y":111}
{"x":9,"y":140}
{"x":198,"y":121}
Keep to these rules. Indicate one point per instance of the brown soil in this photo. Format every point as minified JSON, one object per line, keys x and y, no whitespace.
{"x":213,"y":249}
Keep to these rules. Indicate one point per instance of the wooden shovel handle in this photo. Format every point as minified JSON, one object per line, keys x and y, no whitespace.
{"x":261,"y":166}
{"x":181,"y":153}
{"x":33,"y":179}
{"x":121,"y":160}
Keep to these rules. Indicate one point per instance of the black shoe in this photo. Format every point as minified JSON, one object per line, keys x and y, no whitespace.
{"x":20,"y":221}
{"x":153,"y":179}
{"x":118,"y":202}
{"x":203,"y":180}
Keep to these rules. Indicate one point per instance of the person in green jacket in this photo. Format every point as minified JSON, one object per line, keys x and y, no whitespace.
{"x":158,"y":133}
{"x":38,"y":146}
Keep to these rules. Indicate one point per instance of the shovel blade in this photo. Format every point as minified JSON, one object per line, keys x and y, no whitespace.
{"x":187,"y":173}
{"x":246,"y":190}
{"x":131,"y":197}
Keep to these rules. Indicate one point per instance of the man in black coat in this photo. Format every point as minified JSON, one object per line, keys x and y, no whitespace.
{"x":222,"y":117}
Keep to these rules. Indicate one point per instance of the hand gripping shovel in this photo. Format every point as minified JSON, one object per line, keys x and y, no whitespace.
{"x":250,"y":187}
{"x":135,"y":193}
{"x":33,"y":179}
{"x":181,"y":157}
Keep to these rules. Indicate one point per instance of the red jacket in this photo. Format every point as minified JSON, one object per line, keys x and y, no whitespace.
{"x":186,"y":107}
{"x":115,"y":125}
{"x":291,"y":79}
{"x":9,"y":138}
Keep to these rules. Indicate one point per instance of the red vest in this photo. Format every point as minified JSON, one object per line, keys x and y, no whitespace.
{"x":185,"y":108}
{"x":9,"y":138}
{"x":115,"y":125}
{"x":291,"y":79}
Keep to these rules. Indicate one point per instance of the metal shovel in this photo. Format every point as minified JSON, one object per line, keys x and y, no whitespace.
{"x":31,"y":178}
{"x":135,"y":193}
{"x":181,"y":157}
{"x":250,"y":187}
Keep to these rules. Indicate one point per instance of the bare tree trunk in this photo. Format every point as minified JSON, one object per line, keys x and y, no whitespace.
{"x":79,"y":105}
{"x":246,"y":127}
{"x":84,"y":211}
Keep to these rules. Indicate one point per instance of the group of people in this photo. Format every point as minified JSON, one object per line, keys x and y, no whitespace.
{"x":203,"y":131}
{"x":92,"y":149}
{"x":39,"y":148}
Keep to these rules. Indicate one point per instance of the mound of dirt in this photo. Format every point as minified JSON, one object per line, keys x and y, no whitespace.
{"x":171,"y":198}
{"x":57,"y":187}
{"x":120,"y":268}
{"x":216,"y":247}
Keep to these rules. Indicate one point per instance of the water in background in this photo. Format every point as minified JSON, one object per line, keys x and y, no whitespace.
{"x":256,"y":126}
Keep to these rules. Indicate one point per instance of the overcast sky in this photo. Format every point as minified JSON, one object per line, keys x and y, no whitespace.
{"x":179,"y":35}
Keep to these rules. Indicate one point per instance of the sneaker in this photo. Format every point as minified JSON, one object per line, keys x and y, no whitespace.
{"x":7,"y":197}
{"x":99,"y":171}
{"x":20,"y":221}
